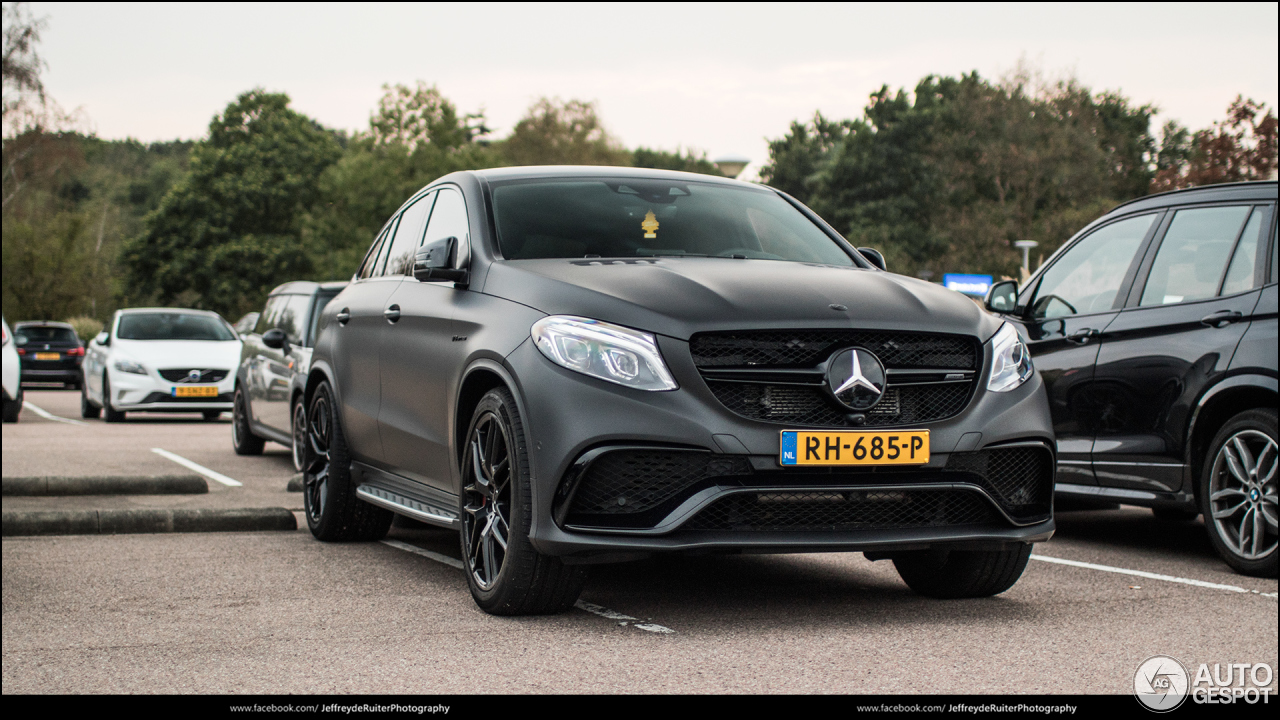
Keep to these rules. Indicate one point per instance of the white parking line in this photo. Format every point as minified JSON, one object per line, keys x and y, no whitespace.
{"x":219,"y":477}
{"x":603,"y":612}
{"x":50,"y":416}
{"x":1150,"y":576}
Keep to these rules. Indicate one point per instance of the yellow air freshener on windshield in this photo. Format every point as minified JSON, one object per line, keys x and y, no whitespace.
{"x":650,"y":225}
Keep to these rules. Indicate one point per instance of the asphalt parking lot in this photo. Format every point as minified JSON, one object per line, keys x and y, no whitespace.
{"x":278,"y":612}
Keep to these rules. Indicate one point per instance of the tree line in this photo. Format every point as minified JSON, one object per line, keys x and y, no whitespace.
{"x":944,"y":177}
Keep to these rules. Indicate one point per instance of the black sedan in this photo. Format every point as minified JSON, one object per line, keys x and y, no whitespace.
{"x":579,"y":365}
{"x":50,"y":351}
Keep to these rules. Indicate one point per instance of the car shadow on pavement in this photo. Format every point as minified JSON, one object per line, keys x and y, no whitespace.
{"x":1135,"y":529}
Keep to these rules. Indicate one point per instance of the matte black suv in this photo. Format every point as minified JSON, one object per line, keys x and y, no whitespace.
{"x":1155,"y":331}
{"x":577,"y":365}
{"x":274,"y":361}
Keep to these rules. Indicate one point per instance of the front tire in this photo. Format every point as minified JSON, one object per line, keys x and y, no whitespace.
{"x":949,"y":574}
{"x":1238,"y":493}
{"x":243,"y":441}
{"x":506,"y":575}
{"x":87,"y":409}
{"x":111,"y":415}
{"x":333,"y":511}
{"x":12,"y":407}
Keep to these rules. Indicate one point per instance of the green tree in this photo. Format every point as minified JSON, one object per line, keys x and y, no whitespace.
{"x":685,"y":161}
{"x":553,"y":132}
{"x":229,"y":230}
{"x":1240,"y":147}
{"x":795,"y":159}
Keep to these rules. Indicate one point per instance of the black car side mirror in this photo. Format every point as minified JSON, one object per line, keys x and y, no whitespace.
{"x":1002,"y":297}
{"x":434,"y":262}
{"x":103,"y":338}
{"x":874,"y":257}
{"x":277,"y":339}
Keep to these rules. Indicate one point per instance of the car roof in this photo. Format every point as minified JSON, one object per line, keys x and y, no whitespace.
{"x":42,"y":323}
{"x":307,"y":287}
{"x":1253,"y":190}
{"x":192,"y":311}
{"x":592,"y":171}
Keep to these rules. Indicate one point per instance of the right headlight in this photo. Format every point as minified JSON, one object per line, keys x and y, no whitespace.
{"x":603,"y":350}
{"x":1010,"y":361}
{"x":129,"y":366}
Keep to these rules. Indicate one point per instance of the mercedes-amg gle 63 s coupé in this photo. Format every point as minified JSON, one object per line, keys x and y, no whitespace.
{"x":581,"y":365}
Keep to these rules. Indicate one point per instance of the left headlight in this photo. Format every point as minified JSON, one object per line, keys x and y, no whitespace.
{"x":1010,"y":361}
{"x":130,"y":366}
{"x":603,"y":350}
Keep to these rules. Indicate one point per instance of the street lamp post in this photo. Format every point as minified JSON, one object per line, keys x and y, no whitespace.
{"x":732,"y":165}
{"x":1025,"y":246}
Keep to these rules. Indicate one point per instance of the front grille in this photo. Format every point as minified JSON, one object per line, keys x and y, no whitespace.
{"x":635,"y":482}
{"x":180,"y":375}
{"x":159,"y":397}
{"x":1020,"y":478}
{"x":843,"y":510}
{"x":811,"y":405}
{"x":807,"y":348}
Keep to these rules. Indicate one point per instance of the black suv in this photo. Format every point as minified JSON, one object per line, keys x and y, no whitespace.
{"x":274,"y":361}
{"x":1155,"y":331}
{"x":50,"y":351}
{"x":577,"y":365}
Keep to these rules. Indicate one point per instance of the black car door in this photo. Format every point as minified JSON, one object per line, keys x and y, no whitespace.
{"x":1069,"y":307}
{"x":1184,"y":318}
{"x":421,"y":362}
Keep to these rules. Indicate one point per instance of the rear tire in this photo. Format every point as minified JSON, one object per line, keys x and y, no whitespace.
{"x":243,"y":441}
{"x":506,"y":575}
{"x":87,"y":408}
{"x":111,"y":415}
{"x":333,"y":511}
{"x":1238,"y":493}
{"x":949,"y":574}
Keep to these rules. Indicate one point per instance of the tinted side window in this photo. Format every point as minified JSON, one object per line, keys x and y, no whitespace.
{"x":449,"y":218}
{"x":1241,"y":272}
{"x":292,"y":316}
{"x":1193,"y":255}
{"x":1087,"y":277}
{"x":408,"y":236}
{"x":375,"y":254}
{"x":322,"y":298}
{"x":267,"y":319}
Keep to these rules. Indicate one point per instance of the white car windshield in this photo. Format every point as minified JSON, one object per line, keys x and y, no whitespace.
{"x":173,"y":326}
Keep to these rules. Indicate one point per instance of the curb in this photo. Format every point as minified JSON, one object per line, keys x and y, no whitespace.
{"x":105,"y":485}
{"x":295,"y":483}
{"x":115,"y":522}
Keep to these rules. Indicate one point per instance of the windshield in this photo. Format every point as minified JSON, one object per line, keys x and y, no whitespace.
{"x":173,"y":326}
{"x":577,"y":218}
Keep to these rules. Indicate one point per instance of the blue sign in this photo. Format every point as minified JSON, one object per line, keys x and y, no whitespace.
{"x":976,"y":285}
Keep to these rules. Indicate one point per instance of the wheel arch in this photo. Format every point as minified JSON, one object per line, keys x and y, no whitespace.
{"x":479,"y":378}
{"x":1219,"y":404}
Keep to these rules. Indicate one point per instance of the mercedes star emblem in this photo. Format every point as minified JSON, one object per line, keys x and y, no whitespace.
{"x":856,"y":378}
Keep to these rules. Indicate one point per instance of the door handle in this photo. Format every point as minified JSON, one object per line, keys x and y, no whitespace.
{"x":1222,"y":318}
{"x":1083,"y":335}
{"x":343,"y":316}
{"x":392,"y":313}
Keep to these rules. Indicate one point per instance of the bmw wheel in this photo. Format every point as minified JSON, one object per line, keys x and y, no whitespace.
{"x":1238,"y":492}
{"x":328,"y":492}
{"x":507,"y":576}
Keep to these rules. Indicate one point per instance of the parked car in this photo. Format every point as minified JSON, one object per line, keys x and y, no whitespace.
{"x":272,"y":374}
{"x":1155,"y":331}
{"x":51,"y":352}
{"x":12,"y":374}
{"x":160,"y":360}
{"x":574,"y":365}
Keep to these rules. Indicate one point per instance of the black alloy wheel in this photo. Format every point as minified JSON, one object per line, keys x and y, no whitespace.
{"x":328,"y":493}
{"x":243,"y":441}
{"x":506,"y":575}
{"x":1238,"y":493}
{"x":111,"y":415}
{"x":298,"y":426}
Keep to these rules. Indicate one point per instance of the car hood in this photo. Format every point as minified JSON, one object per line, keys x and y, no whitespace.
{"x":682,"y":296}
{"x":165,"y":354}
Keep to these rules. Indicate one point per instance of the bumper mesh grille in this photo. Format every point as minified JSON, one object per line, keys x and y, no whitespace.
{"x":844,"y":510}
{"x":628,"y":482}
{"x":807,"y":348}
{"x":1021,"y":478}
{"x":181,"y":374}
{"x":800,"y":405}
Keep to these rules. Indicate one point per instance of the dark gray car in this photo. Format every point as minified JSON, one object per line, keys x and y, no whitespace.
{"x":273,"y":369}
{"x":578,"y":365}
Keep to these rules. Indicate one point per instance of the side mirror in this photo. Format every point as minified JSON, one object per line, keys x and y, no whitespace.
{"x":874,"y":257}
{"x":277,"y":339}
{"x":434,"y":262}
{"x":102,"y":338}
{"x":1002,"y":297}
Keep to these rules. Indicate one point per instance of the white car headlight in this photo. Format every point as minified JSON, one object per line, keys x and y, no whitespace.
{"x":1010,"y":361}
{"x":602,"y":350}
{"x":129,"y":366}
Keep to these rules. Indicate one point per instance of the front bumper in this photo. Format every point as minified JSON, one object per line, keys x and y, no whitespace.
{"x":132,"y":392}
{"x":566,"y":415}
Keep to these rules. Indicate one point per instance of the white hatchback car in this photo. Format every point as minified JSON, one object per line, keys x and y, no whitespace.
{"x":160,"y":360}
{"x":12,"y":377}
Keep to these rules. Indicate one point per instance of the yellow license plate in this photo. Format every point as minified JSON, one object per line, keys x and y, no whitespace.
{"x":196,"y":391}
{"x":48,"y":356}
{"x":846,"y":447}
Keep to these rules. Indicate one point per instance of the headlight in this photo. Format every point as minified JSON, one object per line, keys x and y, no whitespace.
{"x":1010,"y":361}
{"x":129,"y":366}
{"x":609,"y":352}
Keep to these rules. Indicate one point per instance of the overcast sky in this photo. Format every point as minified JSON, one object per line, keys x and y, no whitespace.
{"x":717,"y":78}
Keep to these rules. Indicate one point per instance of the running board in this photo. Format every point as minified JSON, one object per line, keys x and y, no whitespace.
{"x":407,"y":506}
